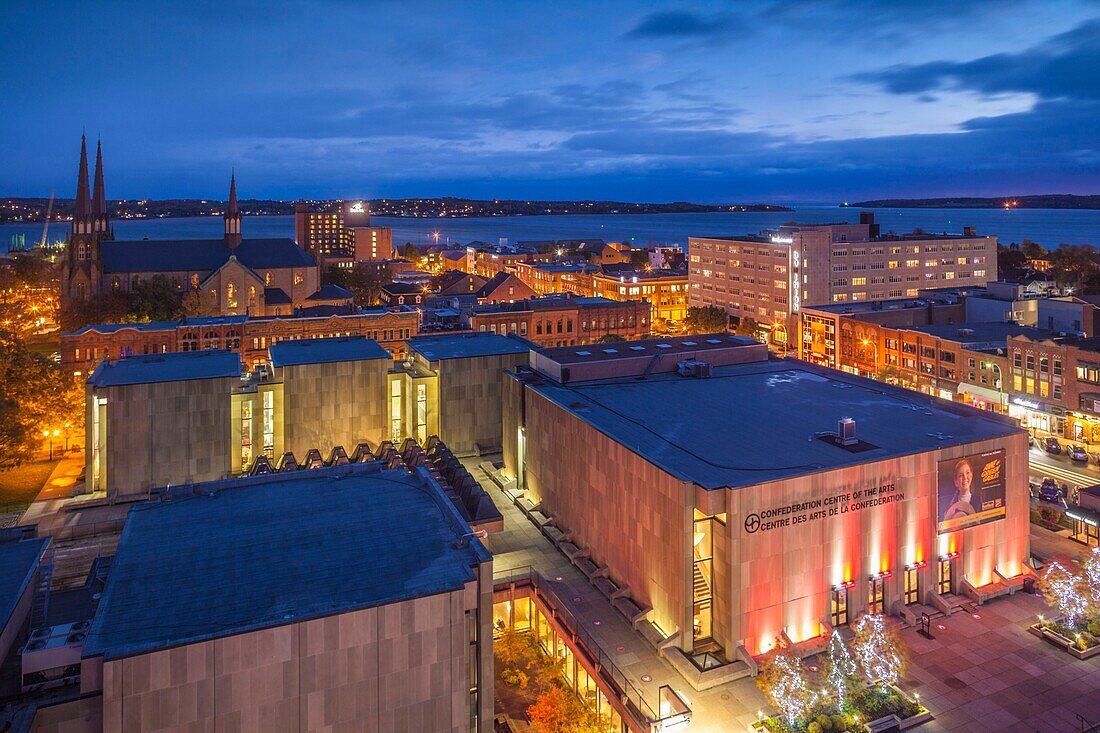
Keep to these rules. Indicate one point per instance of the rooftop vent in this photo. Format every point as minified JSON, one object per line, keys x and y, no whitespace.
{"x":846,"y":431}
{"x":693,"y":368}
{"x":966,"y":331}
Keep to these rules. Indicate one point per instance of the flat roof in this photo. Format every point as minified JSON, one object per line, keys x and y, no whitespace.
{"x":233,"y":556}
{"x":19,"y":560}
{"x":463,"y":345}
{"x":326,"y":350}
{"x":173,"y":367}
{"x":972,"y":333}
{"x":753,"y":423}
{"x":630,"y":349}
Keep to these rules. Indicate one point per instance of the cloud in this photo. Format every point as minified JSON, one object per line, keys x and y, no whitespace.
{"x":680,"y":24}
{"x":1064,"y":67}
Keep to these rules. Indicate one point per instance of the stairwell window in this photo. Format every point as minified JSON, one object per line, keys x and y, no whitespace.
{"x":703,"y":579}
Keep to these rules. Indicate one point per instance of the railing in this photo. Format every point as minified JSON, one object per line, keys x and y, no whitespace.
{"x":631,"y":697}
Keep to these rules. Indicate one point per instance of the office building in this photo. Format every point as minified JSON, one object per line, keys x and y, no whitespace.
{"x":342,"y":236}
{"x":769,"y":278}
{"x":735,"y":499}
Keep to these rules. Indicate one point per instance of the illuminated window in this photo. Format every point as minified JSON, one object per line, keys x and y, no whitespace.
{"x":269,"y":424}
{"x":911,"y":590}
{"x":875,"y":596}
{"x":838,"y":607}
{"x":422,"y":413}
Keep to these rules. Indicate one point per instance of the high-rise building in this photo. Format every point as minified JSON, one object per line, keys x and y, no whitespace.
{"x":342,"y":236}
{"x":768,"y":278}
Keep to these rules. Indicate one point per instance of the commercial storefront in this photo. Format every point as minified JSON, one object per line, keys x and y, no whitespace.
{"x":1036,"y":415}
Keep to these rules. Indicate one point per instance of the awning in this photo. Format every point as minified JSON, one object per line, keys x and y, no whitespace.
{"x":987,"y":394}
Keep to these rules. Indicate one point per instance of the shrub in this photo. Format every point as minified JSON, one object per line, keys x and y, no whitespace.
{"x":813,"y":727}
{"x":824,"y":722}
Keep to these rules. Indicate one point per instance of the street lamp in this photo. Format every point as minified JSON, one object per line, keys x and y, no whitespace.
{"x":47,"y":434}
{"x":874,"y":351}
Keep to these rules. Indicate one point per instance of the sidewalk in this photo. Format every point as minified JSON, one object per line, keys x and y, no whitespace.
{"x":729,"y":707}
{"x":1048,"y":545}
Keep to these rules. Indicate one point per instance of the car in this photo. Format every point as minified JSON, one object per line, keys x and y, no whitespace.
{"x":1051,"y":445}
{"x":1050,"y":491}
{"x":1077,"y":453}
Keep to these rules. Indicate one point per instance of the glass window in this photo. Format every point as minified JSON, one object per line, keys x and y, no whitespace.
{"x":875,"y":593}
{"x":838,"y":611}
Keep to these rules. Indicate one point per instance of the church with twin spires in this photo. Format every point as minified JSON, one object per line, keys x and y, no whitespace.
{"x":258,"y":277}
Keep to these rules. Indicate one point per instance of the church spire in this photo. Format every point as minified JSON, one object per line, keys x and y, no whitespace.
{"x":99,"y":198}
{"x":232,"y":215}
{"x":82,"y":208}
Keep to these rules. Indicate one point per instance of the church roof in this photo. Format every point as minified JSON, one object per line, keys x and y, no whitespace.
{"x":199,"y":255}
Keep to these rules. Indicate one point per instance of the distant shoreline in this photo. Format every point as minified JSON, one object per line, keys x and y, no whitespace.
{"x":1041,"y":201}
{"x":31,"y":210}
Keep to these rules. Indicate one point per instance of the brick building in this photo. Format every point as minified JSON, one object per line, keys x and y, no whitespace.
{"x":665,"y":290}
{"x":82,"y":350}
{"x":563,"y":320}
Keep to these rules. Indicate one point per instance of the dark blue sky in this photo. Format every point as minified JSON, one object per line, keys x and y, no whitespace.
{"x":800,"y":100}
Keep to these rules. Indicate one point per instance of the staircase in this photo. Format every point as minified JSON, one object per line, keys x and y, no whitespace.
{"x":700,"y":587}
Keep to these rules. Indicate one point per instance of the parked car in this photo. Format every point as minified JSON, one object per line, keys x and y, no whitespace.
{"x":1051,"y":445}
{"x":1050,"y":491}
{"x":1077,"y":453}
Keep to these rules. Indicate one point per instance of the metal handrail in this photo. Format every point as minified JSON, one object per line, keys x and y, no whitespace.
{"x":631,"y":695}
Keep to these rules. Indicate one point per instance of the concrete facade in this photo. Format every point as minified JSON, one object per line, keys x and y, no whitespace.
{"x":784,"y":542}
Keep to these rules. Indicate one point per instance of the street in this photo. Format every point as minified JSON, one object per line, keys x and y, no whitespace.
{"x":1062,"y":469}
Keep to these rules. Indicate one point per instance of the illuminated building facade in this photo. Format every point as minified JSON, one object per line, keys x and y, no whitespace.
{"x":770,"y":278}
{"x":342,"y":236}
{"x":563,"y":320}
{"x":83,"y":349}
{"x":666,"y":290}
{"x":738,"y":498}
{"x":241,"y":275}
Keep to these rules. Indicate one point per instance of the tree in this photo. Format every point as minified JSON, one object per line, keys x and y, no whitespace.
{"x":783,"y":681}
{"x":410,"y":252}
{"x":1033,"y":250}
{"x":841,"y":667}
{"x":365,"y":282}
{"x":1064,"y":590}
{"x":520,"y":652}
{"x":156,"y":299}
{"x":1091,"y":567}
{"x":105,"y":308}
{"x":706,"y":319}
{"x":747,"y":327}
{"x":559,"y":710}
{"x":609,"y":338}
{"x":37,"y":396}
{"x":1073,"y":265}
{"x":879,"y":651}
{"x":199,"y":303}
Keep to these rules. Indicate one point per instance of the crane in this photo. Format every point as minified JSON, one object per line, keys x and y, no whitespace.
{"x":49,"y":213}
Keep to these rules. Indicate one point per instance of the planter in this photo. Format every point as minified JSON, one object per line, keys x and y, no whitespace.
{"x":1068,"y":645}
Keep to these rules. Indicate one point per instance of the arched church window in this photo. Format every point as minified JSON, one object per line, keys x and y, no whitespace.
{"x":194,"y":281}
{"x":81,"y":291}
{"x":116,"y":284}
{"x":251,"y":296}
{"x":231,"y":295}
{"x":267,"y":278}
{"x":82,"y":251}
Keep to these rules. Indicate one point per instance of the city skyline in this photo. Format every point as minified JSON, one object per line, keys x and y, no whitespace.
{"x":778,"y":101}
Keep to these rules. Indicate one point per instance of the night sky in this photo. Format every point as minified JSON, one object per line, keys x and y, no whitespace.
{"x":793,"y":100}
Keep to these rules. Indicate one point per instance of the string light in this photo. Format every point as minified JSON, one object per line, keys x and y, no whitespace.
{"x":1064,"y":588}
{"x":841,"y":666}
{"x":790,"y":693}
{"x":875,"y":651}
{"x":1092,"y":575}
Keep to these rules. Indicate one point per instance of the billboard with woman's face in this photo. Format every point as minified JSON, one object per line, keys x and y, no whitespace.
{"x":970,"y":491}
